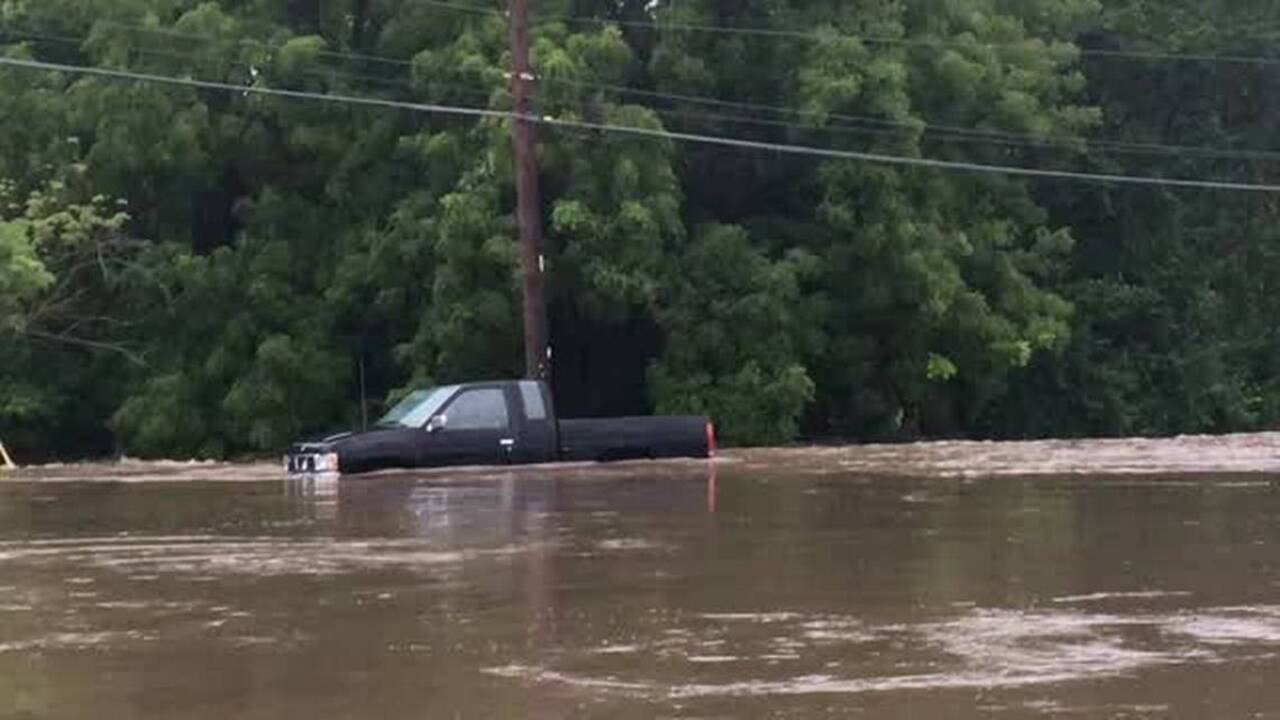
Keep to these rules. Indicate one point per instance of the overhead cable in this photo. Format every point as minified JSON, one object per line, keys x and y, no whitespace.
{"x":664,"y":25}
{"x":654,"y":133}
{"x":940,"y":131}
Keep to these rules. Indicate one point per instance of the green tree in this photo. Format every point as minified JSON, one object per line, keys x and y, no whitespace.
{"x":66,"y":273}
{"x":274,"y":247}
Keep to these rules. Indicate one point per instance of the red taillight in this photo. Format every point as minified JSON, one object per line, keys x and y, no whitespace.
{"x":711,"y":439}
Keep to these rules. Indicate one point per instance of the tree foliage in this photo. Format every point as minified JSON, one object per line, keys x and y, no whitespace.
{"x":198,"y":272}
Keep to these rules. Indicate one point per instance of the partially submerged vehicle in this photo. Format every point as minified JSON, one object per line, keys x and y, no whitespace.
{"x":496,"y":423}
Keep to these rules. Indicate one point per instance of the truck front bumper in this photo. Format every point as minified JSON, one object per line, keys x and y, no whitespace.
{"x":311,"y":463}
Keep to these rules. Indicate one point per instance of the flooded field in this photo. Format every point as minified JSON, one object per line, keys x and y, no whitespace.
{"x":1115,"y":579}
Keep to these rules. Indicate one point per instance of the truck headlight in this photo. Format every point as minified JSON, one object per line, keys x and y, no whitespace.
{"x":327,"y":462}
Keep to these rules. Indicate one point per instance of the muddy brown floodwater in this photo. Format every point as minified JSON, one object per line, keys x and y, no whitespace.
{"x":1117,"y":579}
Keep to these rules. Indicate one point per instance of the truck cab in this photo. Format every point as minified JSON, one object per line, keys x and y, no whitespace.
{"x":491,"y":424}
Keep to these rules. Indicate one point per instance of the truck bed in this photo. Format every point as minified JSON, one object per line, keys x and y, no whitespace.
{"x":635,"y":437}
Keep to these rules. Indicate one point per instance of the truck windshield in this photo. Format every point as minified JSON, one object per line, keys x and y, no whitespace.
{"x":417,"y":407}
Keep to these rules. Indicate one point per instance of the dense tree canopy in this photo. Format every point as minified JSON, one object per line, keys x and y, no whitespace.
{"x":201,"y":272}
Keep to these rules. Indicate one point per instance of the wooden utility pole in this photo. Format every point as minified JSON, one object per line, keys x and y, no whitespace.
{"x":537,"y":357}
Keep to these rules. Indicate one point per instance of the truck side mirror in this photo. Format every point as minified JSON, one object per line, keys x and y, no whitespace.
{"x":437,"y":423}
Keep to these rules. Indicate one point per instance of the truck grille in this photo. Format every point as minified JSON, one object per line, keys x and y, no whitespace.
{"x":301,"y":463}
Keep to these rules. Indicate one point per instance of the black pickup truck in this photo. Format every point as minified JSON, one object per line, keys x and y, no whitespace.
{"x":496,"y":423}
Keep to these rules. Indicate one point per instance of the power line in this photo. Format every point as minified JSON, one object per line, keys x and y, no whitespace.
{"x":67,"y":39}
{"x":1000,"y":137}
{"x":1182,"y":57}
{"x":1100,"y":52}
{"x":1082,"y":146}
{"x":886,"y":126}
{"x":253,"y":90}
{"x":71,"y":40}
{"x":938,"y":130}
{"x":462,"y":8}
{"x":646,"y":132}
{"x":870,"y":39}
{"x":402,"y":83}
{"x":881,"y":126}
{"x":327,"y":73}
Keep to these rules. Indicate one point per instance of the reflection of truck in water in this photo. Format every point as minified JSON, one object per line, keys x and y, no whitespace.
{"x":493,"y":507}
{"x":496,"y":423}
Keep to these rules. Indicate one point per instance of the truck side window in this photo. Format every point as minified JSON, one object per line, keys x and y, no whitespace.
{"x":478,"y":410}
{"x":534,"y":407}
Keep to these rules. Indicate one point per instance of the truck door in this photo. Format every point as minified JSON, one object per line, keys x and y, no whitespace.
{"x":477,"y":429}
{"x":537,"y":440}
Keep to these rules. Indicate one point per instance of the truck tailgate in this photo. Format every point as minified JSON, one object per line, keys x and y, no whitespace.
{"x":635,"y":437}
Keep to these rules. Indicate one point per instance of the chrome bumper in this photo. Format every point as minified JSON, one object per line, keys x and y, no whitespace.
{"x":306,"y":463}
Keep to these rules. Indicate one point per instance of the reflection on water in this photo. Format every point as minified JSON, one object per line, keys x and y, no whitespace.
{"x":744,"y":589}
